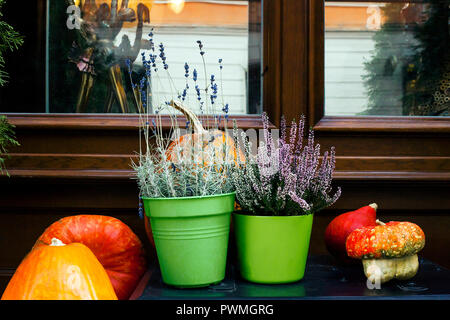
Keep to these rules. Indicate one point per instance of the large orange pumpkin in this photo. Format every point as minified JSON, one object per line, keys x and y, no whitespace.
{"x":60,"y":272}
{"x":114,"y":244}
{"x":203,"y":146}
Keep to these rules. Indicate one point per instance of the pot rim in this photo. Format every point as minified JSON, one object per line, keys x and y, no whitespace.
{"x":275,"y":217}
{"x":190,"y":198}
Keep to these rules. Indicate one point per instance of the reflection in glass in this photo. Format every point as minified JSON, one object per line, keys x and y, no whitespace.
{"x":387,"y":58}
{"x":88,"y":70}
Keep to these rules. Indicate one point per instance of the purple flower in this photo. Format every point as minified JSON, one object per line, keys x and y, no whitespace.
{"x":288,"y":179}
{"x":186,"y":70}
{"x":128,"y":64}
{"x":141,"y":211}
{"x":197,"y":89}
{"x":200,"y":46}
{"x":195,"y":75}
{"x":143,"y":92}
{"x":142,"y":83}
{"x":214,"y":89}
{"x":152,"y":44}
{"x":162,"y":55}
{"x":184,"y":94}
{"x":226,"y":108}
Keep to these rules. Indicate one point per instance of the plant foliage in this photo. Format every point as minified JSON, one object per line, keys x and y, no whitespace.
{"x":284,"y":179}
{"x":9,"y":40}
{"x":192,"y":168}
{"x":410,"y":65}
{"x":7,"y":138}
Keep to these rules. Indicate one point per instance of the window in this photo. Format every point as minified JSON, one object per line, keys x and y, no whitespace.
{"x":387,"y":58}
{"x":379,"y":152}
{"x":86,"y":60}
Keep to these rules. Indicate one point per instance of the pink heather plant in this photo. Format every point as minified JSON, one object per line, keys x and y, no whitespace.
{"x":285,"y":179}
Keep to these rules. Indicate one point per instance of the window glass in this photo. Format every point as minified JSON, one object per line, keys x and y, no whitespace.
{"x":387,"y":58}
{"x":88,"y":57}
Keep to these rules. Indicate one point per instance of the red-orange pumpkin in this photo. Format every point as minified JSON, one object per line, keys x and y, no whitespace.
{"x":391,"y":240}
{"x":340,"y":227}
{"x":60,"y":272}
{"x":387,"y":251}
{"x":114,"y":244}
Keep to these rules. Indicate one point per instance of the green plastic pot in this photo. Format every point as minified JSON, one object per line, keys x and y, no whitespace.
{"x":191,"y":237}
{"x":272,"y":249}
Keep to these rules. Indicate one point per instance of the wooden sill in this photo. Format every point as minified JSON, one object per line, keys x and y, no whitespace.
{"x":384,"y":124}
{"x":118,"y":174}
{"x":109,"y":121}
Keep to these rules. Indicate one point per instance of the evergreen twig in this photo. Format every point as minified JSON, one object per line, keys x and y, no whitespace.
{"x":7,"y":139}
{"x":10,"y":40}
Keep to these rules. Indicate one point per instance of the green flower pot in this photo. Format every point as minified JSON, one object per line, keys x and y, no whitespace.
{"x":272,"y":249}
{"x":191,"y":237}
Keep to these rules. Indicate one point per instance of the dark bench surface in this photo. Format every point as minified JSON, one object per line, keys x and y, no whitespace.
{"x":324,"y":279}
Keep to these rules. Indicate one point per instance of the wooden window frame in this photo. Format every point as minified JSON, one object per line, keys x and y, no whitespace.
{"x":407,"y":163}
{"x":413,"y":128}
{"x":81,"y":162}
{"x":71,"y":126}
{"x":401,"y":162}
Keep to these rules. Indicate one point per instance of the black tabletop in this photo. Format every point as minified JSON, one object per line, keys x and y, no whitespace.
{"x":324,"y":280}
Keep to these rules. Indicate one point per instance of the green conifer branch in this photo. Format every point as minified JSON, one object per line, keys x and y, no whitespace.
{"x":10,"y":40}
{"x":7,"y":139}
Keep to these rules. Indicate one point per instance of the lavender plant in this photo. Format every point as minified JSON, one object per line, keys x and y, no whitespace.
{"x":185,"y":161}
{"x":159,"y":177}
{"x":284,"y":179}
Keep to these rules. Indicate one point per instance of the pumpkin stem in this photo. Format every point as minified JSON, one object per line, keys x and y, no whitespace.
{"x":57,"y":243}
{"x":381,"y":223}
{"x":374,"y":206}
{"x":198,"y":128}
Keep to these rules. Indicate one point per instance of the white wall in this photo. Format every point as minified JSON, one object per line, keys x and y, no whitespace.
{"x":345,"y":53}
{"x":229,"y":44}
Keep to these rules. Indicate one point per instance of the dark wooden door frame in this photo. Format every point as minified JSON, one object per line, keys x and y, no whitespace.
{"x":409,"y":148}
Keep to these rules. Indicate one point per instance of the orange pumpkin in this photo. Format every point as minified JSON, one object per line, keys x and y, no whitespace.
{"x":388,"y":250}
{"x":203,"y":146}
{"x":115,"y":245}
{"x":386,"y":240}
{"x":60,"y":272}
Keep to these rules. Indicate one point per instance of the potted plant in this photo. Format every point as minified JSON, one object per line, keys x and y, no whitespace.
{"x":279,"y":189}
{"x":184,"y":180}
